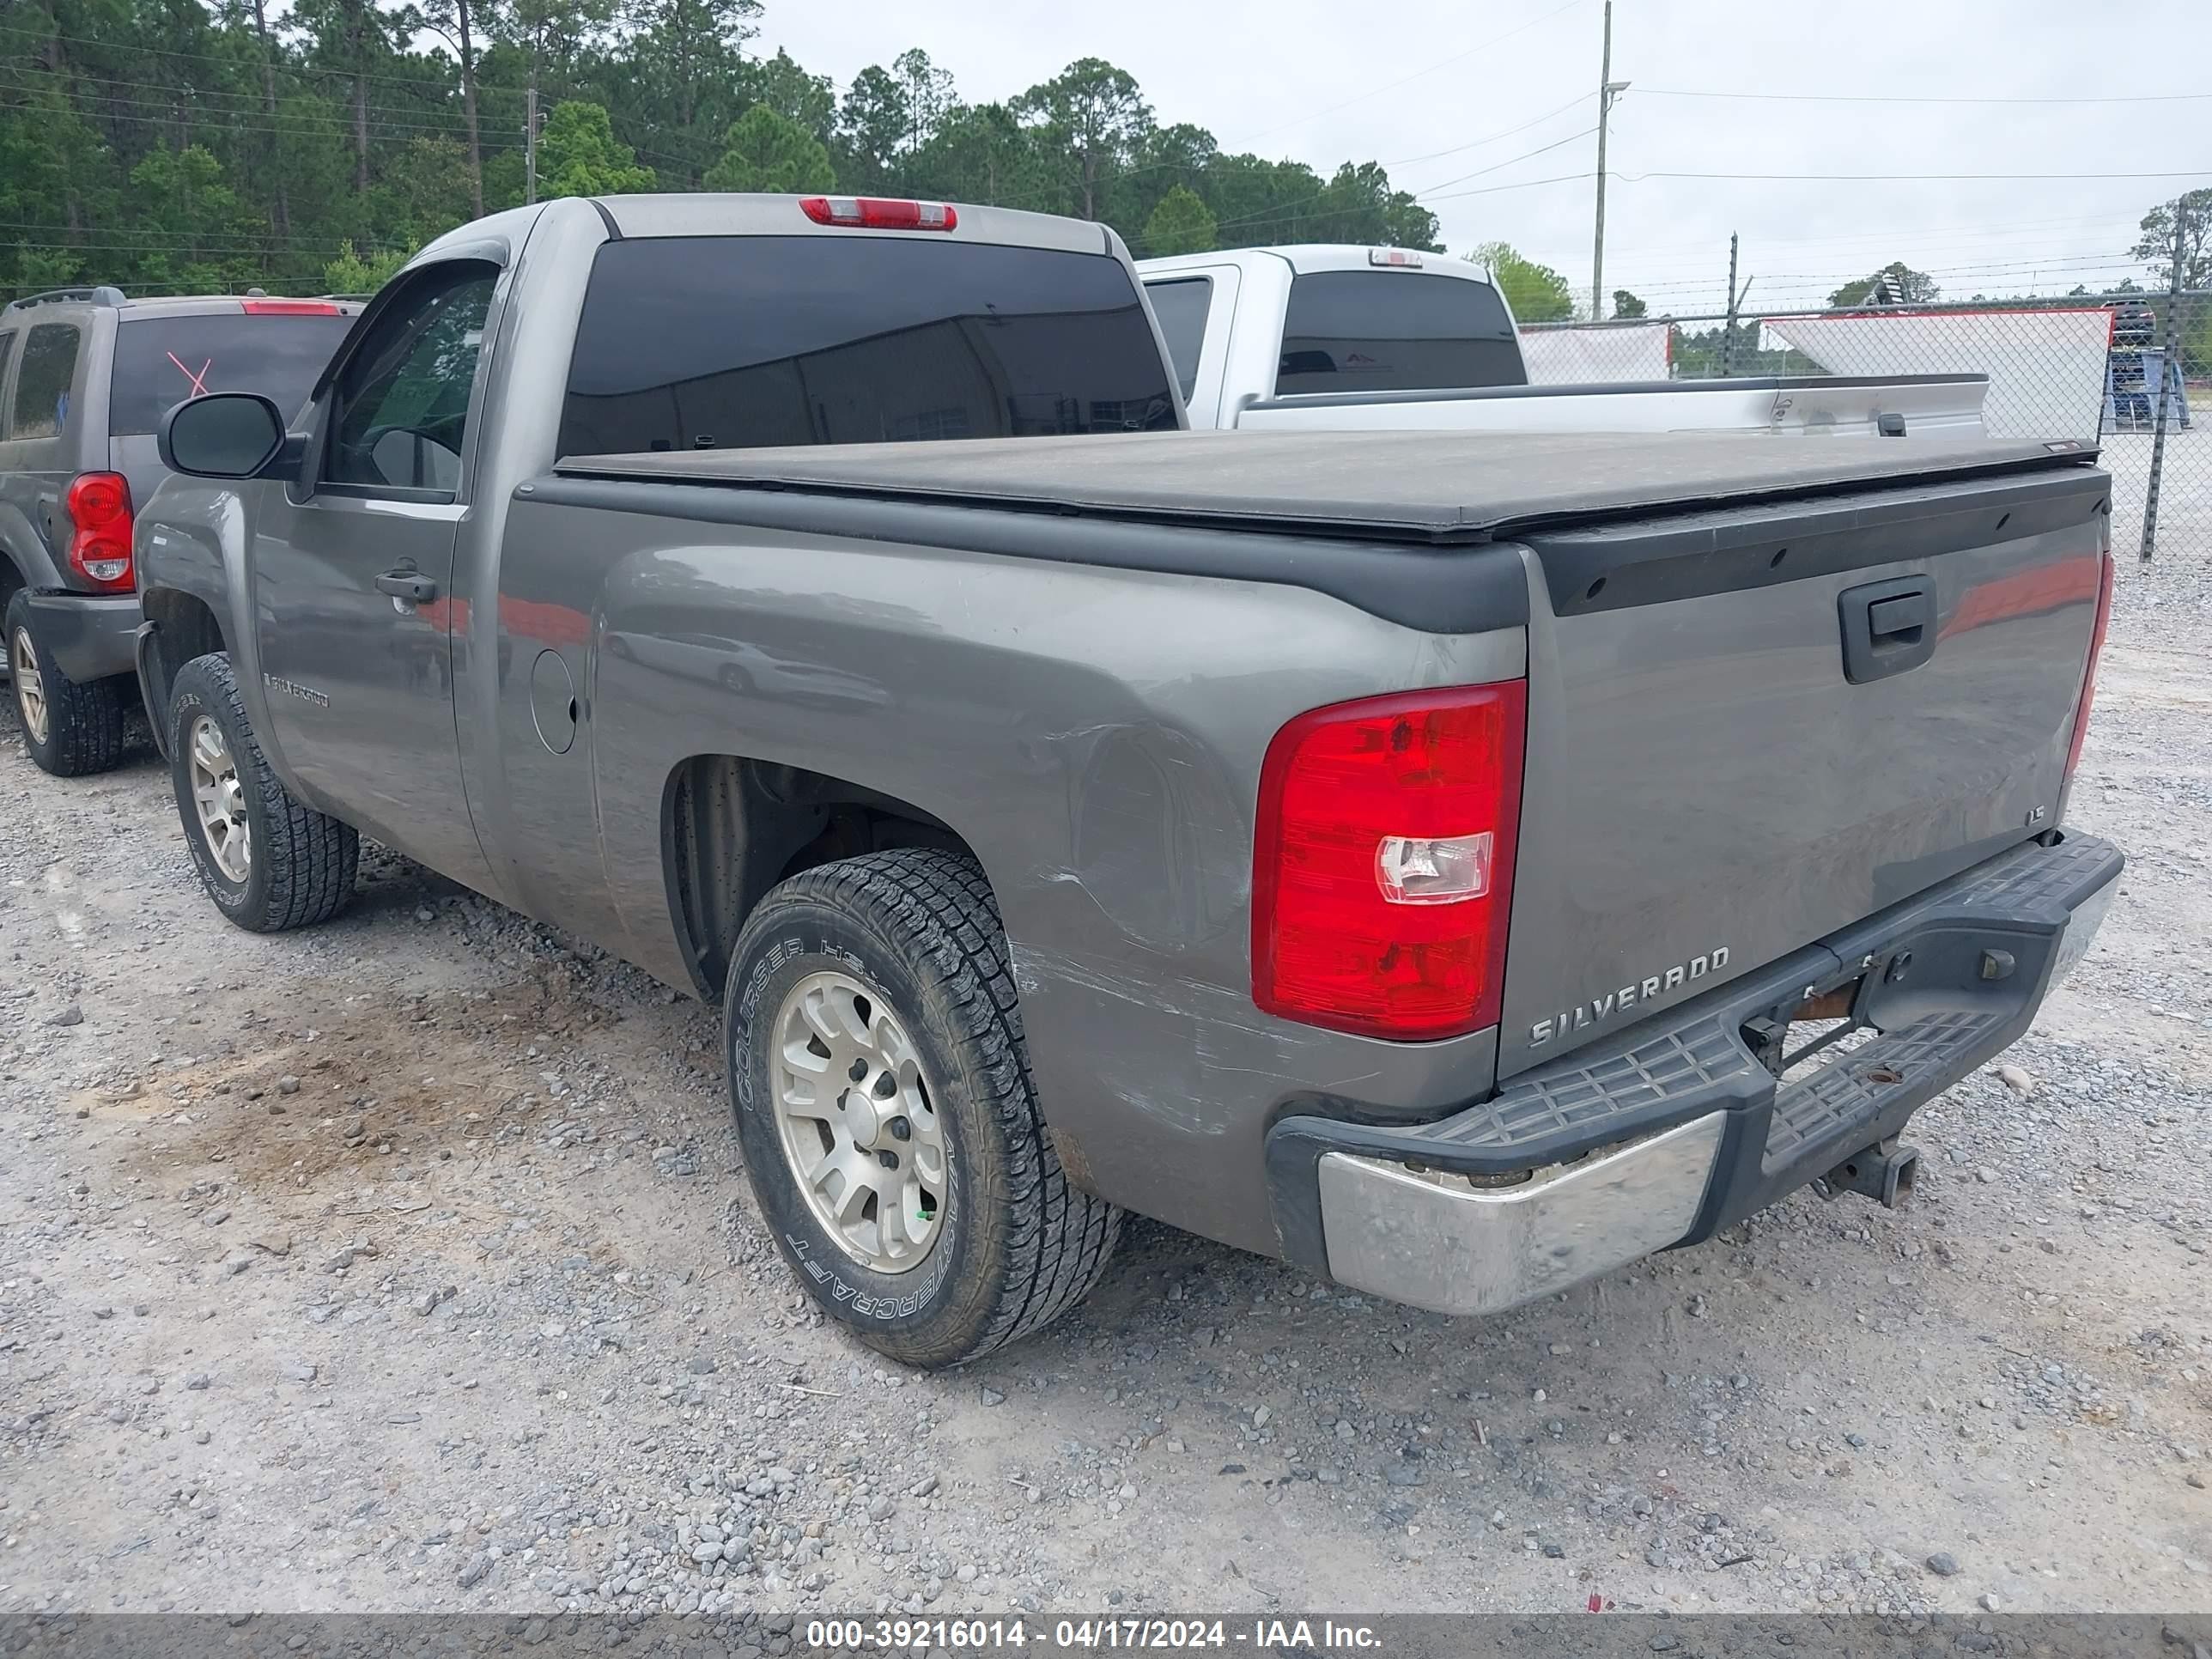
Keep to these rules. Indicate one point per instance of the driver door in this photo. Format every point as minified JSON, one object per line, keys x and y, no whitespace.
{"x":354,"y":570}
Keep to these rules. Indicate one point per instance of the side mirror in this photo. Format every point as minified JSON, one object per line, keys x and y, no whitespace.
{"x":224,"y":434}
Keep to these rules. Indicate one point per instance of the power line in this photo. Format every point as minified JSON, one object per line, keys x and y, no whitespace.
{"x":1408,"y":161}
{"x":1978,"y":268}
{"x":304,"y":258}
{"x":256,"y":99}
{"x":1499,"y":167}
{"x":1945,"y":233}
{"x":1979,"y":255}
{"x":248,"y":103}
{"x":1897,"y":178}
{"x":173,"y":241}
{"x":229,"y":60}
{"x":155,"y":109}
{"x":1822,"y":286}
{"x":1275,"y":209}
{"x":1911,"y":98}
{"x":229,"y":123}
{"x":1525,"y":184}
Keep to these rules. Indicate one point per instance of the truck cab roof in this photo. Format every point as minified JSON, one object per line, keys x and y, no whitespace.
{"x":744,"y":213}
{"x":103,"y":297}
{"x":1308,"y":257}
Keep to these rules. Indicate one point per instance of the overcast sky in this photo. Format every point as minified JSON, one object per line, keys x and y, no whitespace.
{"x":1397,"y":80}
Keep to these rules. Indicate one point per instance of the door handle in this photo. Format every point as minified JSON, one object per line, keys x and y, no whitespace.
{"x":409,"y":585}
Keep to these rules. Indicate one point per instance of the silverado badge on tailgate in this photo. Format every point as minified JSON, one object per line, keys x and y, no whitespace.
{"x":1583,"y":1014}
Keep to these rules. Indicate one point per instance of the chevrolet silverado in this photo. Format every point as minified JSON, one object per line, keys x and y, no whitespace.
{"x":1459,"y":863}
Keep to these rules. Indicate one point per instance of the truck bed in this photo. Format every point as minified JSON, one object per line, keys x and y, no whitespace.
{"x":1716,"y":774}
{"x":1434,"y":487}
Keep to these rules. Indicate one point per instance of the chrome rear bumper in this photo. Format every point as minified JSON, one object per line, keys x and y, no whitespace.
{"x":1677,"y":1128}
{"x":1414,"y":1238}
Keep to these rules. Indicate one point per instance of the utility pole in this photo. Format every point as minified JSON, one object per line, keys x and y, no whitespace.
{"x":530,"y":136}
{"x":1606,"y":89}
{"x":2169,"y":375}
{"x":1727,"y":331}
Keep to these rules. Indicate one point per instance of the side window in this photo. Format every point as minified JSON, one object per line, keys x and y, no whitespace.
{"x":1181,"y":306}
{"x":403,"y":398}
{"x":42,"y":382}
{"x":7,"y":356}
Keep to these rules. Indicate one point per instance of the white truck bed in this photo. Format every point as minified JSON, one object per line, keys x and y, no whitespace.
{"x":1256,"y":351}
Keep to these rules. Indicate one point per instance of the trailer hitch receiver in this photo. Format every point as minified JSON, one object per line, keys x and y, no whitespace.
{"x":1883,"y":1172}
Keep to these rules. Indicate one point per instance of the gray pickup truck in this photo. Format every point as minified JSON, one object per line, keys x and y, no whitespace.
{"x":1458,"y":864}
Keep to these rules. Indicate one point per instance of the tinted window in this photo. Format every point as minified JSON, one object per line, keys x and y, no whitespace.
{"x":402,"y":399}
{"x":730,"y":342}
{"x":1181,"y":306}
{"x":1385,"y":330}
{"x":42,"y":384}
{"x":161,"y":361}
{"x":7,"y":353}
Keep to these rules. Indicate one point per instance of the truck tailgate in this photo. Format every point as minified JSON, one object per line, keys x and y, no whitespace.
{"x":1749,"y":727}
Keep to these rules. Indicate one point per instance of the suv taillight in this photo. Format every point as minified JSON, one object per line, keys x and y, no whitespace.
{"x":1383,"y":862}
{"x":2090,"y":674}
{"x":99,"y":545}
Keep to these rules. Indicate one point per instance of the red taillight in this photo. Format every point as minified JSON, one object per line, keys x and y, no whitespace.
{"x":2090,"y":674}
{"x":291,"y":308}
{"x":879,"y":213}
{"x":100,"y":543}
{"x":1383,"y":862}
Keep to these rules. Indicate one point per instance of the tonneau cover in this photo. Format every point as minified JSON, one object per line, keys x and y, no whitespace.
{"x":1447,"y":486}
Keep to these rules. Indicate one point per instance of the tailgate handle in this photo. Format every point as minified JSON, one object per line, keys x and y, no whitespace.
{"x":1888,"y":628}
{"x":1897,"y":620}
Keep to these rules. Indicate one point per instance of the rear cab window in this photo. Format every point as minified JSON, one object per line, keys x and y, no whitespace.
{"x":737,"y":342}
{"x":44,"y":379}
{"x":1181,"y":304}
{"x":160,"y":362}
{"x":1392,"y":330}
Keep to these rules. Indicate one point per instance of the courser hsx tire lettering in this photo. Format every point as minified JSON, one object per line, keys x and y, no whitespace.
{"x":1016,"y":1243}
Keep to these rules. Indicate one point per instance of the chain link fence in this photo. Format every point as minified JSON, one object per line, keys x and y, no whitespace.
{"x":2130,"y":373}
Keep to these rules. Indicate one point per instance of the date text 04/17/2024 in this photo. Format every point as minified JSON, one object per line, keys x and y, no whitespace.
{"x":956,"y":1635}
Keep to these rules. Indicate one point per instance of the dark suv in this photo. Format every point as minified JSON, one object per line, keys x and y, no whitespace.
{"x":86,"y":375}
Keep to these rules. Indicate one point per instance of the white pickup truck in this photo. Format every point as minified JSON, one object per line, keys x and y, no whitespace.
{"x":1328,"y":338}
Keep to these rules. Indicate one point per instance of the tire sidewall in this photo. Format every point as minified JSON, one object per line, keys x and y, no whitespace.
{"x":19,"y":618}
{"x":198,"y":692}
{"x":931,"y":1305}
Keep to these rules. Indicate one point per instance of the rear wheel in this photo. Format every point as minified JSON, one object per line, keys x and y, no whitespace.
{"x":890,"y":1131}
{"x":268,"y":862}
{"x":71,"y":730}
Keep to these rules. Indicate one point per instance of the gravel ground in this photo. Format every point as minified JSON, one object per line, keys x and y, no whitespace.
{"x":407,"y":1265}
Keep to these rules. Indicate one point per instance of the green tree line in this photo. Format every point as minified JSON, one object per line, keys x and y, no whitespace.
{"x":182,"y":145}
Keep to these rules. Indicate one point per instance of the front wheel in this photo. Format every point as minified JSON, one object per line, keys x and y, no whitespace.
{"x":269,"y":863}
{"x":890,"y":1131}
